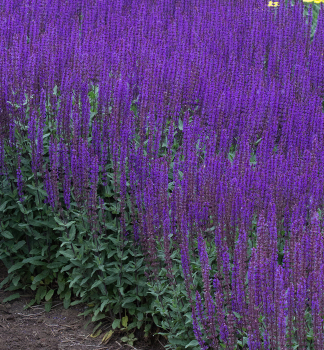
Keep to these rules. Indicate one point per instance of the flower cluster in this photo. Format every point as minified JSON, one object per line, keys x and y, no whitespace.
{"x":210,"y":115}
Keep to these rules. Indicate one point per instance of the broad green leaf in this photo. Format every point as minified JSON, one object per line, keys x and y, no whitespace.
{"x":66,"y":303}
{"x":128,"y":300}
{"x":98,"y":317}
{"x":48,"y":306}
{"x":125,"y":321}
{"x":41,"y":276}
{"x":11,"y":297}
{"x":102,"y":306}
{"x":74,"y":280}
{"x":237,"y":315}
{"x":34,"y":260}
{"x":68,"y":253}
{"x":67,"y":267}
{"x":49,"y":294}
{"x":110,"y":279}
{"x":5,"y":281}
{"x":7,"y":234}
{"x":3,"y":206}
{"x":72,"y":232}
{"x":16,"y":280}
{"x":15,"y":267}
{"x":116,"y":324}
{"x":55,"y":265}
{"x":31,"y":303}
{"x":96,"y":284}
{"x":192,"y":343}
{"x":69,"y":224}
{"x":59,"y":221}
{"x":17,"y":246}
{"x":23,"y":209}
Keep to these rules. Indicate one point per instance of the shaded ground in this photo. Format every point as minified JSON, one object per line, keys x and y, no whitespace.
{"x":58,"y":329}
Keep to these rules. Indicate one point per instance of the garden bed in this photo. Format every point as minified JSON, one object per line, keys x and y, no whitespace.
{"x":56,"y":330}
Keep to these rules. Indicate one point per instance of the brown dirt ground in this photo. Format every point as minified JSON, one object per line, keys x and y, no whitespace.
{"x":58,"y":329}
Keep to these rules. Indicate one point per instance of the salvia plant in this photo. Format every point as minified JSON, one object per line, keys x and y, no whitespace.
{"x":162,"y":163}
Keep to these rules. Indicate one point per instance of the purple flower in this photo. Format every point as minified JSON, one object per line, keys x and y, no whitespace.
{"x":197,"y":332}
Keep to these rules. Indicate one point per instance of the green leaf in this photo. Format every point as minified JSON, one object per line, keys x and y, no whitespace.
{"x":67,"y":267}
{"x":66,"y":303}
{"x":48,"y":306}
{"x":32,"y":187}
{"x":102,"y":306}
{"x":72,"y":232}
{"x":237,"y":315}
{"x":31,"y":303}
{"x":5,"y":281}
{"x":23,"y":209}
{"x":125,"y":321}
{"x":49,"y":294}
{"x":3,"y":206}
{"x":67,"y":299}
{"x":55,"y":265}
{"x":116,"y":324}
{"x":69,"y":224}
{"x":74,"y":280}
{"x":175,"y":341}
{"x":84,"y":280}
{"x":155,"y":320}
{"x":67,"y":253}
{"x":11,"y":297}
{"x":68,"y":294}
{"x":59,"y":221}
{"x":132,"y":325}
{"x":96,"y":284}
{"x":16,"y":280}
{"x":7,"y":234}
{"x":15,"y":267}
{"x":180,"y":125}
{"x":34,"y":260}
{"x":76,"y":302}
{"x":128,"y":300}
{"x":98,"y":317}
{"x":110,"y":279}
{"x":192,"y":343}
{"x":41,"y":292}
{"x":41,"y":276}
{"x":18,"y":246}
{"x":35,"y":223}
{"x":49,"y":224}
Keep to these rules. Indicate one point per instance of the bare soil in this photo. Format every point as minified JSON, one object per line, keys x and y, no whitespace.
{"x":59,"y":328}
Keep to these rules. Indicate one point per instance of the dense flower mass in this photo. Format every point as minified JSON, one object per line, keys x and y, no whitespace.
{"x":211,"y":112}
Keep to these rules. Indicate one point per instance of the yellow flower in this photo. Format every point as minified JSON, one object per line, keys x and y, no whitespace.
{"x":273,"y":4}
